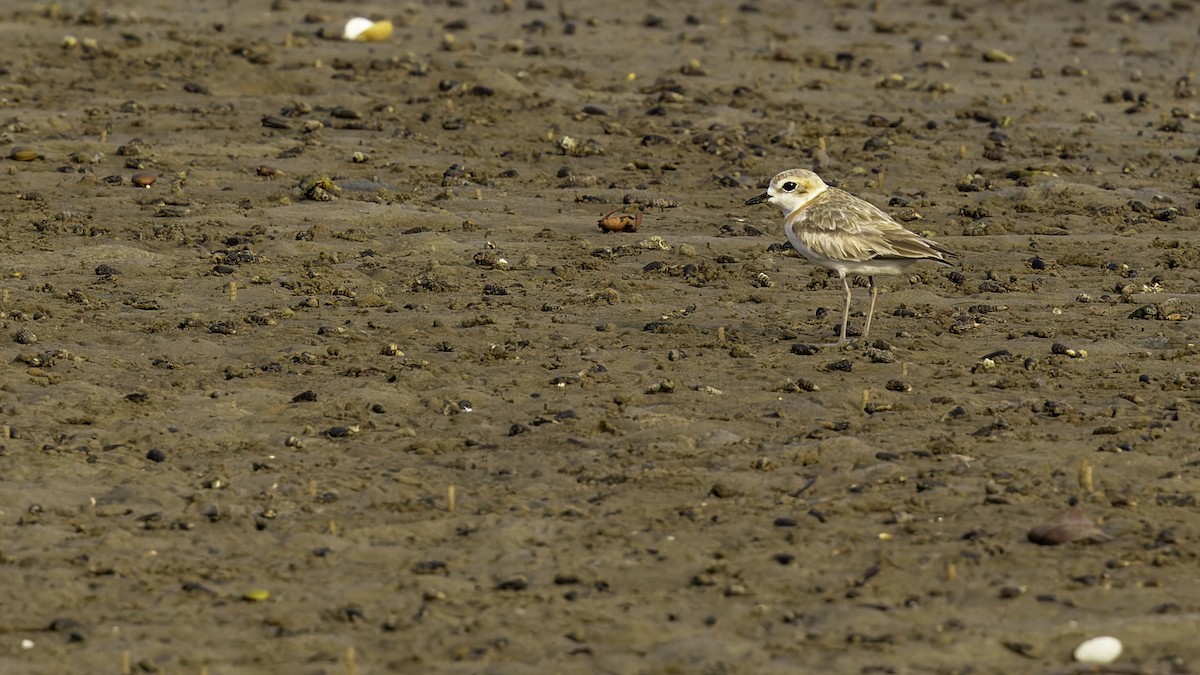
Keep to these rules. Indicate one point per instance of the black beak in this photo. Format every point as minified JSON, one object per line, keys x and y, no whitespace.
{"x":758,"y":200}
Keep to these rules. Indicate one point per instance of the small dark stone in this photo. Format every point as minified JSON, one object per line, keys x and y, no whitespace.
{"x":783,"y":558}
{"x":877,"y":142}
{"x":306,"y":396}
{"x":929,"y":484}
{"x":843,"y":365}
{"x":65,"y":625}
{"x":137,"y":397}
{"x":271,"y":123}
{"x":785,"y":521}
{"x":156,"y":455}
{"x":517,"y":583}
{"x":721,"y":491}
{"x":344,"y":113}
{"x":195,"y":587}
{"x":974,"y":212}
{"x":1166,"y":214}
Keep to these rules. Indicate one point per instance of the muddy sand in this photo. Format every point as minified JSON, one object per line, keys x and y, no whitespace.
{"x":357,"y":385}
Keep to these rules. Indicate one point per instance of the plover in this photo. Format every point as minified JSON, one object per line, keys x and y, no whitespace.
{"x":836,"y":230}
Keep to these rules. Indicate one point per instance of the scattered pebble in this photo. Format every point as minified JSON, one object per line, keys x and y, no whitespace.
{"x":1060,"y":348}
{"x":517,"y":583}
{"x":1098,"y":650}
{"x":342,"y":431}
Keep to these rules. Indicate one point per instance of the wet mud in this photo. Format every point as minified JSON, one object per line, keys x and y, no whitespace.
{"x":317,"y":360}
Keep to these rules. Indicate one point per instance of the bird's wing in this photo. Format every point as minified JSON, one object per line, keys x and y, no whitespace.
{"x":840,"y":226}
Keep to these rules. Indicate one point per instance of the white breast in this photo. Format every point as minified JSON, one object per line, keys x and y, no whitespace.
{"x":870,"y":267}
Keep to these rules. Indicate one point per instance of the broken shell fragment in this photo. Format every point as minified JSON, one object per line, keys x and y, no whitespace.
{"x":1068,"y":527}
{"x":356,"y":27}
{"x":363,"y":29}
{"x":22,"y":153}
{"x":622,"y":223}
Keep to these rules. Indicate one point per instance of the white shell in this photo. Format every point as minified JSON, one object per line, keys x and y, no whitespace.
{"x":1099,"y":650}
{"x":355,"y":27}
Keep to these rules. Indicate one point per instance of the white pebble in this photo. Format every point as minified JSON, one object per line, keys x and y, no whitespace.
{"x":1099,"y":650}
{"x":26,"y":644}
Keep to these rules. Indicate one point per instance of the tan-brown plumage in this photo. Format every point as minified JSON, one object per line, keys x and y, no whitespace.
{"x":836,"y":230}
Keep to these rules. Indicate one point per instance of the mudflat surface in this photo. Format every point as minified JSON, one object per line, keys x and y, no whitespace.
{"x":410,"y":410}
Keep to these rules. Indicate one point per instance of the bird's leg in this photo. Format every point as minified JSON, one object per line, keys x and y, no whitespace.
{"x":846,"y":310}
{"x":871,"y":309}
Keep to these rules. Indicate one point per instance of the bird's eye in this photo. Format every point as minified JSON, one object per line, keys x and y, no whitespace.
{"x":789,"y":186}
